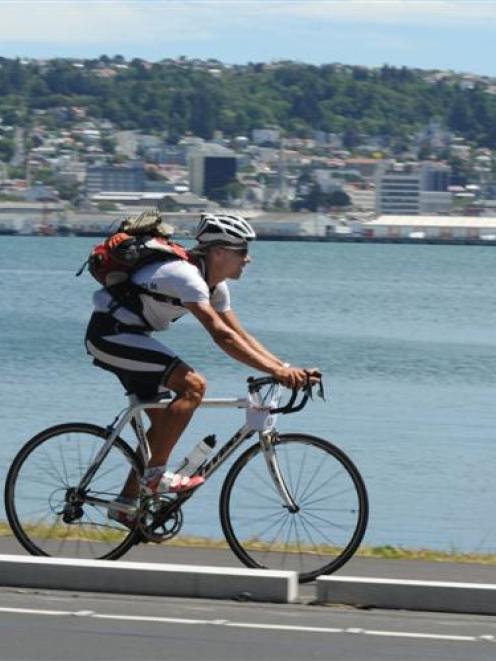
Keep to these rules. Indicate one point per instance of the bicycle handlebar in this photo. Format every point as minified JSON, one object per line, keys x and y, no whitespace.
{"x":255,"y":385}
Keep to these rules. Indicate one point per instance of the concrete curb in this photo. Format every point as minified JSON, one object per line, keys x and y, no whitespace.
{"x":148,"y":578}
{"x":441,"y":596}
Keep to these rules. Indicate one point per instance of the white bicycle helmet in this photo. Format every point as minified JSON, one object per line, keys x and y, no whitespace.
{"x":219,"y":229}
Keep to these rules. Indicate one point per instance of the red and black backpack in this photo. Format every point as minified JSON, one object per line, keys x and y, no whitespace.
{"x":114,"y":262}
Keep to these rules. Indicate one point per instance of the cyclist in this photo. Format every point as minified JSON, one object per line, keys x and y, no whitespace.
{"x":119,"y":341}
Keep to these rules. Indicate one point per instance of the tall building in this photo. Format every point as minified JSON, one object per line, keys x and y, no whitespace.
{"x":124,"y":178}
{"x":211,"y":168}
{"x":435,"y":177}
{"x":398,"y":193}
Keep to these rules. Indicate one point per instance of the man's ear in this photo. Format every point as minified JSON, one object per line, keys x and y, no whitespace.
{"x":215,"y":251}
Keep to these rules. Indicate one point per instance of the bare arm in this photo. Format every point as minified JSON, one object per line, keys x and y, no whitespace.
{"x":236,"y":346}
{"x":231,"y":319}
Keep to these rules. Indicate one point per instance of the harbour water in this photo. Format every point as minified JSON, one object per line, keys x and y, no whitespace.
{"x":404,"y":335}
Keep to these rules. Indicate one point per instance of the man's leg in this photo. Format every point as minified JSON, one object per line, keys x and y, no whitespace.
{"x":168,"y":424}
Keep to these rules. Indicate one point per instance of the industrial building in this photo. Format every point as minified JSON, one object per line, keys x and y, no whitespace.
{"x":436,"y":228}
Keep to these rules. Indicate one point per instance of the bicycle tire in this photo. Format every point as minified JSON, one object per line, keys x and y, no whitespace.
{"x":38,"y":478}
{"x":251,"y":508}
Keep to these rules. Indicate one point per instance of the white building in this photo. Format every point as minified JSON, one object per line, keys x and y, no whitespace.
{"x":413,"y":190}
{"x":361,"y":199}
{"x":398,"y":193}
{"x":326,"y":180}
{"x":277,"y":224}
{"x":431,"y":227}
{"x":261,"y":136}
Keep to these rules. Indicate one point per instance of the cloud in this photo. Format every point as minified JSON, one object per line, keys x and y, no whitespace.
{"x":120,"y":20}
{"x":97,"y":21}
{"x":151,"y":28}
{"x":386,"y":12}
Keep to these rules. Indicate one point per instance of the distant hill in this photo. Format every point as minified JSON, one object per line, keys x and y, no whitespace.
{"x":200,"y":97}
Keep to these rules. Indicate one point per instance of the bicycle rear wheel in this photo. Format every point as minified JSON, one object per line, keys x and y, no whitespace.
{"x":331,"y":516}
{"x":39,"y":482}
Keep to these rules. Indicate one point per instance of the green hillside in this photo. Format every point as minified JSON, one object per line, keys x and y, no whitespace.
{"x":190,"y":96}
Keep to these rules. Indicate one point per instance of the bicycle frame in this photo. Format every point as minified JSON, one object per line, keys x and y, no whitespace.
{"x":133,"y":415}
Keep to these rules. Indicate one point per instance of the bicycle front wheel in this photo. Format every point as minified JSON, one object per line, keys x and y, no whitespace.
{"x":331,"y":508}
{"x":39,"y":484}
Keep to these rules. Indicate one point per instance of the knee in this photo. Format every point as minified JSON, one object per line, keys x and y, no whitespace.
{"x":195,"y":387}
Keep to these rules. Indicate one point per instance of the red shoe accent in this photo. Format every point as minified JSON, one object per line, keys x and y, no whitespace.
{"x":173,"y":483}
{"x":191,"y":483}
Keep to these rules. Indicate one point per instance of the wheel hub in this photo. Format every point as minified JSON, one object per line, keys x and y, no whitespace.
{"x":73,"y":508}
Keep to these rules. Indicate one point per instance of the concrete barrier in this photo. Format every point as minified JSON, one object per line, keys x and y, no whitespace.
{"x":148,"y":578}
{"x":408,"y":595}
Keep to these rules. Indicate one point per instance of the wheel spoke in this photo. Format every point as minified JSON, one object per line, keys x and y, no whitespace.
{"x":249,"y":489}
{"x":327,"y":480}
{"x":302,"y":470}
{"x":326,"y":521}
{"x":312,"y":479}
{"x":253,"y":521}
{"x":314,"y":545}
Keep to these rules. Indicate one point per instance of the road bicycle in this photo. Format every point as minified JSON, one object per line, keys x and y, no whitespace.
{"x":290,"y":501}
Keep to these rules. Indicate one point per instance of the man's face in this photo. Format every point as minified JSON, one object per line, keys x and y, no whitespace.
{"x":234,"y":260}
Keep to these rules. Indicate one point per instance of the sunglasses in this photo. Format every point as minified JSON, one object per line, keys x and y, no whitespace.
{"x":243,"y":252}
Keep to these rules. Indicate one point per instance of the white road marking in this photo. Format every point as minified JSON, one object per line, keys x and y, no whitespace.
{"x":249,"y":625}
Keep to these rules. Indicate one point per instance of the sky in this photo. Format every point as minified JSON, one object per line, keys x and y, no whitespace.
{"x":459,"y":35}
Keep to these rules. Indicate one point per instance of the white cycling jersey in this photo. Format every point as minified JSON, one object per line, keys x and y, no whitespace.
{"x":177,"y":279}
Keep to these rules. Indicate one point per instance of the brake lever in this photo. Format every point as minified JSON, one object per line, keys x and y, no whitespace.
{"x":308,"y":389}
{"x":320,"y":390}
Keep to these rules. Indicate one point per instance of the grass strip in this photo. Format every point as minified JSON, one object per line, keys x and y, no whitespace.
{"x":385,"y":552}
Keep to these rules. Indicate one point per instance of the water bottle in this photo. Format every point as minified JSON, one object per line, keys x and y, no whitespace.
{"x":192,"y":462}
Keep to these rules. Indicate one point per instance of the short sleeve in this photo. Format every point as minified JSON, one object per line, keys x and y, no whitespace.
{"x":221,"y":298}
{"x":177,"y":279}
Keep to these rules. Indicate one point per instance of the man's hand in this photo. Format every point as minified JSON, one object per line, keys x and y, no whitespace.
{"x":296,"y":377}
{"x":314,"y":374}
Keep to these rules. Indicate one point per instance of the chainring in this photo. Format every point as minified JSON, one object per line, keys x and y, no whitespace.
{"x":151,"y":510}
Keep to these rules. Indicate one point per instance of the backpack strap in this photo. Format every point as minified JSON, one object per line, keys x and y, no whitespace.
{"x":127,"y":294}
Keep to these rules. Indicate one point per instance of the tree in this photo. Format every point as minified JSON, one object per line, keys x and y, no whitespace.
{"x":338,"y":198}
{"x":6,"y":150}
{"x":68,"y":191}
{"x":300,"y":98}
{"x":233,"y":190}
{"x":316,"y":199}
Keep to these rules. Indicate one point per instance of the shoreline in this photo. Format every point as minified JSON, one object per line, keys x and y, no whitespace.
{"x":304,"y":238}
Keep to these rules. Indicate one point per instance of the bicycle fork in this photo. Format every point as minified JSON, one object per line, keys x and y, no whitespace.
{"x":267,"y":442}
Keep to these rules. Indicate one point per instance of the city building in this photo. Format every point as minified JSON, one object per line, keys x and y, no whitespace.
{"x":398,"y":192}
{"x":457,"y":228}
{"x":413,"y":189}
{"x":129,"y":177}
{"x":211,"y":167}
{"x":266,"y":136}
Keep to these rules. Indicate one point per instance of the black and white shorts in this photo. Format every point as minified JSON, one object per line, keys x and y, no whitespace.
{"x":141,"y":363}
